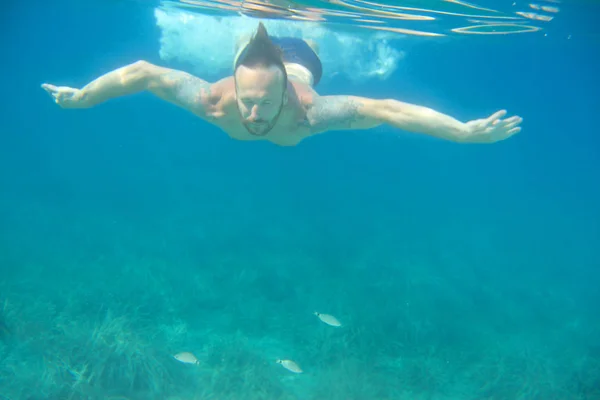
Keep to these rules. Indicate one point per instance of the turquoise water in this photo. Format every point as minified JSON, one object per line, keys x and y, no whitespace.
{"x":133,"y":231}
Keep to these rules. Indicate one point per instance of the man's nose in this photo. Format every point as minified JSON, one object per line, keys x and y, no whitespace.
{"x":255,"y":113}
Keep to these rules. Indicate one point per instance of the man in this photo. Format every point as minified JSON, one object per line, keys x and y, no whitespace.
{"x":271,"y":97}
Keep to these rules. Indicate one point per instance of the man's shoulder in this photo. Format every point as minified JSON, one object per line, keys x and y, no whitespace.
{"x":221,"y":99}
{"x":223,"y":89}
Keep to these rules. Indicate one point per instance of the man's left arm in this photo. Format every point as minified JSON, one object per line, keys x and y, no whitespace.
{"x":353,"y":112}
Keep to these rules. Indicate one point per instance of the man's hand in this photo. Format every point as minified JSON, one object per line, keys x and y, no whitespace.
{"x":64,"y":96}
{"x":492,"y":129}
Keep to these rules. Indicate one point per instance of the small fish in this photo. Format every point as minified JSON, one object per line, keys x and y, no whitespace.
{"x":290,"y":366}
{"x":329,"y":319}
{"x":186,"y":358}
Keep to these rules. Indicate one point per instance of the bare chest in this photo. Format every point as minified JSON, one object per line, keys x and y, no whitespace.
{"x":283,"y":135}
{"x":287,"y":132}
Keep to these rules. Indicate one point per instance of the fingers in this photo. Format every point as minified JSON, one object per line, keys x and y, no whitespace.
{"x":48,"y":87}
{"x":503,"y":129}
{"x":508,"y":121}
{"x":513,"y":124}
{"x":513,"y":119}
{"x":493,"y":119}
{"x":51,"y":90}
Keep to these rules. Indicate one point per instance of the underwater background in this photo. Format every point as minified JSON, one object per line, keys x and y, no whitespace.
{"x":134,"y":231}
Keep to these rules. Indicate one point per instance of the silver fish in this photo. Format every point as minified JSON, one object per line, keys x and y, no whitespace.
{"x":186,"y":357}
{"x":290,"y":366}
{"x":329,"y":319}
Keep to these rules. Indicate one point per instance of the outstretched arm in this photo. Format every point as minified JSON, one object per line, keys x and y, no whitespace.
{"x":352,"y":112}
{"x":180,"y":88}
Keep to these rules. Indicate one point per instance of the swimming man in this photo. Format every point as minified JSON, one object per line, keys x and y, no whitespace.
{"x":271,"y":96}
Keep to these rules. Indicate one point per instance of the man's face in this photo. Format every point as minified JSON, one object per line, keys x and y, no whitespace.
{"x":261,"y":94}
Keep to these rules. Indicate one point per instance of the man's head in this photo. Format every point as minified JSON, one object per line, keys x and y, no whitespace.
{"x":260,"y":83}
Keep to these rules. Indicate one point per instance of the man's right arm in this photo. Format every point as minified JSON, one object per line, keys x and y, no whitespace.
{"x":177,"y":87}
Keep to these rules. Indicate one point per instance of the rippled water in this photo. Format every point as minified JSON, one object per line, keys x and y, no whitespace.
{"x":408,"y":17}
{"x":133,"y":231}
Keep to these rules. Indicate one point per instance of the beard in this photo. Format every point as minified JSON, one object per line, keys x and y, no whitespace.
{"x":260,"y":127}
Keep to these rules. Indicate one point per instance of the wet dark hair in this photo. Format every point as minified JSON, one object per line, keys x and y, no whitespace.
{"x":261,"y":52}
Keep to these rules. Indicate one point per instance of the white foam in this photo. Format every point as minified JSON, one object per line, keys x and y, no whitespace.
{"x":207,"y":44}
